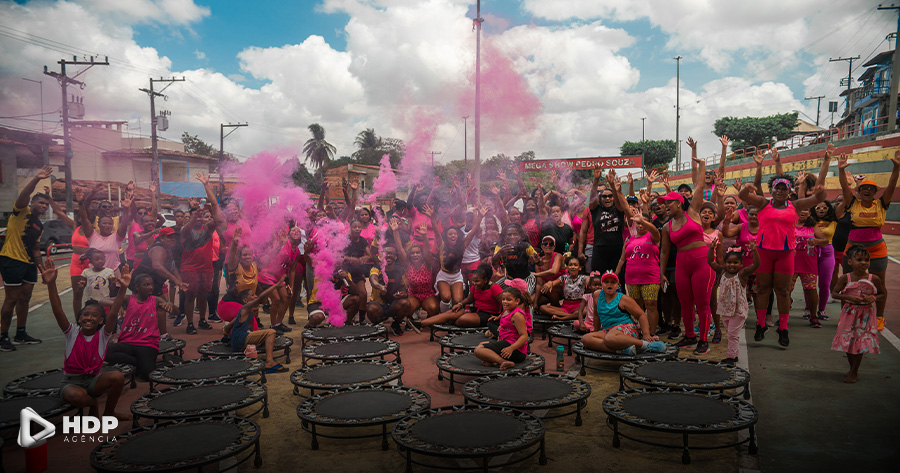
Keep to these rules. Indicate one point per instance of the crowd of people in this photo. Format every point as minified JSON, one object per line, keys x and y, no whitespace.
{"x":632,"y":270}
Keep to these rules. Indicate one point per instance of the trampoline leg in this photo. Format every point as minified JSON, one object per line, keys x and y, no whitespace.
{"x":615,"y":426}
{"x":262,"y":375}
{"x":747,"y":392}
{"x":452,"y":388}
{"x":751,"y":447}
{"x":578,"y":414}
{"x":408,"y":461}
{"x":440,"y":375}
{"x":266,"y":406}
{"x":287,"y":355}
{"x":484,"y":464}
{"x":257,"y":460}
{"x":430,"y":339}
{"x":570,"y":347}
{"x":384,"y":442}
{"x":685,"y":455}
{"x":296,"y":391}
{"x":542,"y":459}
{"x":133,"y":381}
{"x":315,"y":441}
{"x":550,"y":342}
{"x":134,"y":422}
{"x":543,"y":332}
{"x":621,"y":383}
{"x":400,"y":380}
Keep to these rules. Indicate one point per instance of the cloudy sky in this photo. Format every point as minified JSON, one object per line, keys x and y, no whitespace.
{"x":566,"y":78}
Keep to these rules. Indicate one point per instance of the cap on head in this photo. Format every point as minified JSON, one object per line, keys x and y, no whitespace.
{"x":869,"y":182}
{"x":670,"y":196}
{"x":609,"y":275}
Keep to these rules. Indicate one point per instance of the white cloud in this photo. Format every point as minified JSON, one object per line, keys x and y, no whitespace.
{"x":200,"y":55}
{"x":176,"y":12}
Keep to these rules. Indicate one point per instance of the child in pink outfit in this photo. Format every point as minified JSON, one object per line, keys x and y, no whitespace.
{"x":733,"y":306}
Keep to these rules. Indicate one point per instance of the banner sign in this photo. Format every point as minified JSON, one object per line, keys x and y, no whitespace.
{"x":582,"y":163}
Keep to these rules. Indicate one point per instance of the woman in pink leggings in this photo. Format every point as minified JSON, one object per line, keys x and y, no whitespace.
{"x":776,"y":241}
{"x":694,"y":278}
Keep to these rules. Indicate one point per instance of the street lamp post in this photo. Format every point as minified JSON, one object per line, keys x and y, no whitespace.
{"x":466,"y":147}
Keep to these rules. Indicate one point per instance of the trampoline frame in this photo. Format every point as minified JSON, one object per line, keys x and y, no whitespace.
{"x":58,"y":411}
{"x":448,"y":328}
{"x":309,"y":351}
{"x":555,"y":330}
{"x":258,"y":393}
{"x":613,"y":408}
{"x":206,"y":350}
{"x":177,"y":347}
{"x":13,"y":389}
{"x":407,"y":444}
{"x":581,"y":353}
{"x":299,"y":381}
{"x":740,"y":377}
{"x":537,"y":318}
{"x":158,"y":375}
{"x":444,"y":363}
{"x":250,"y":432}
{"x":310,"y":419}
{"x":580,"y":392}
{"x":309,"y":335}
{"x":447,"y":345}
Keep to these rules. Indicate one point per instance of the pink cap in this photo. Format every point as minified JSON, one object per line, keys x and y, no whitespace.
{"x":670,"y":196}
{"x":609,"y":275}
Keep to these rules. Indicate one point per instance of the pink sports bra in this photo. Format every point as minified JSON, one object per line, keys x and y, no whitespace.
{"x":690,"y":232}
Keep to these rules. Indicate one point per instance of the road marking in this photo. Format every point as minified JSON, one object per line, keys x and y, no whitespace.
{"x":745,"y":458}
{"x":894,"y":259}
{"x":891,"y":338}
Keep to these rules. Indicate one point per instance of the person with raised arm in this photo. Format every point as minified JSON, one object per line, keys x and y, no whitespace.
{"x":608,"y":219}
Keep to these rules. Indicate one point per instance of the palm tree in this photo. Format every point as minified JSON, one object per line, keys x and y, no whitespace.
{"x":318,"y":151}
{"x":367,"y":143}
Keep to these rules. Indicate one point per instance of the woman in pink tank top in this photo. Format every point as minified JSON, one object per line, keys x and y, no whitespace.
{"x":776,"y":241}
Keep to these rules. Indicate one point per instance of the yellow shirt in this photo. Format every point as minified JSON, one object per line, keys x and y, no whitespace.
{"x":868,"y":217}
{"x":827,"y":229}
{"x":246,"y":279}
{"x":23,"y":232}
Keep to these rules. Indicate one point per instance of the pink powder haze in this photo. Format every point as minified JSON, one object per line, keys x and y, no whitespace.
{"x":331,"y":239}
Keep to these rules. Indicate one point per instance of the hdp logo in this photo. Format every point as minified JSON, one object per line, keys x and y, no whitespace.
{"x":26,"y":438}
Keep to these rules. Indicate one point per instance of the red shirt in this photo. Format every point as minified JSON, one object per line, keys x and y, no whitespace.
{"x":198,"y":251}
{"x":485,"y":300}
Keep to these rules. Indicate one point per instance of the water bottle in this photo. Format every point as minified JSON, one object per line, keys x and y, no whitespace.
{"x":560,"y":360}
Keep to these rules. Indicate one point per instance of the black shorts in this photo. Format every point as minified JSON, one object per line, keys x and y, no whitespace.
{"x":219,"y":264}
{"x":498,"y":345}
{"x":16,"y":273}
{"x":483,"y":317}
{"x":387,"y":311}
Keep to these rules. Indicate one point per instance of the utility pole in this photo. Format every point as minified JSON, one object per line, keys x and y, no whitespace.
{"x":154,"y":156}
{"x":222,"y":136}
{"x":41,"y":84}
{"x":677,"y":111}
{"x":895,"y":75}
{"x":849,"y":75}
{"x":466,"y":147}
{"x":818,"y":100}
{"x":432,"y":160}
{"x":64,"y":82}
{"x":478,"y":21}
{"x":642,"y":130}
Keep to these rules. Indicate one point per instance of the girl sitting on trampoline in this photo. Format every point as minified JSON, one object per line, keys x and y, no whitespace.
{"x":585,"y":322}
{"x":239,"y":328}
{"x":484,"y":294}
{"x":573,"y":286}
{"x":511,"y":347}
{"x":86,"y":344}
{"x":615,"y":320}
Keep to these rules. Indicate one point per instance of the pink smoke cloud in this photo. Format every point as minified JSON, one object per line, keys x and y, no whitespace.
{"x":331,"y":239}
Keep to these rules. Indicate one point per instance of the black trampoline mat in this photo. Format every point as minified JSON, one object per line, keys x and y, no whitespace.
{"x":526,"y":388}
{"x":468,"y":429}
{"x":470,"y":362}
{"x":677,"y":408}
{"x":684,"y":373}
{"x":200,"y":397}
{"x":363,"y":404}
{"x":359,"y":347}
{"x":468,"y":339}
{"x":53,"y":379}
{"x":345,"y":331}
{"x":567,"y":331}
{"x":165,"y":344}
{"x":177,"y":443}
{"x":350,"y":373}
{"x":207,"y":369}
{"x":9,"y":408}
{"x":223,"y":349}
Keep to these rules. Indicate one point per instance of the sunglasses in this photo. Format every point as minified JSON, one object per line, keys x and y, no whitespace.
{"x":606,"y":196}
{"x":547,"y":243}
{"x":142,"y":213}
{"x":106,"y":206}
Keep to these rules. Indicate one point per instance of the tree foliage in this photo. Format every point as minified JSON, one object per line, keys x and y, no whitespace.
{"x":303,"y":178}
{"x":657,"y":153}
{"x":755,"y":131}
{"x":194,"y":145}
{"x":370,"y":148}
{"x":318,"y":151}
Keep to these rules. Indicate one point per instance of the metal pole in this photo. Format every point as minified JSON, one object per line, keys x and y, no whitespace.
{"x":642,"y":129}
{"x":41,"y":84}
{"x":221,"y":161}
{"x":154,"y":149}
{"x":67,"y":145}
{"x":478,"y":22}
{"x":466,"y":147}
{"x":895,"y":75}
{"x":677,"y":111}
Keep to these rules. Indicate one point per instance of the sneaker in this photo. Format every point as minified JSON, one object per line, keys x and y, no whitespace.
{"x":291,"y":321}
{"x":178,"y":320}
{"x":730,"y":361}
{"x":806,"y":314}
{"x":23,"y":338}
{"x":204,"y":325}
{"x":663,"y":328}
{"x":191,"y":330}
{"x":783,"y":337}
{"x":284,"y":328}
{"x":300,"y":303}
{"x":416,"y":324}
{"x":675,"y":333}
{"x":760,"y":332}
{"x":396,"y":329}
{"x":821,"y":315}
{"x":266,"y":307}
{"x":686,"y":341}
{"x":717,"y":336}
{"x":814,"y":322}
{"x":702,"y":348}
{"x":214,"y":318}
{"x":171,"y":315}
{"x":628,"y":351}
{"x":6,"y":344}
{"x":656,"y":347}
{"x":196,"y":310}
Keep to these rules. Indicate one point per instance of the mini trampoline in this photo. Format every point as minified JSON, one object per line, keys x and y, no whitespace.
{"x":48,"y":381}
{"x":332,"y":333}
{"x":462,"y":340}
{"x":565,"y":331}
{"x":582,"y":353}
{"x":474,"y":432}
{"x":541,"y":319}
{"x":679,"y":411}
{"x":530,"y":391}
{"x":174,"y":346}
{"x":351,"y":350}
{"x":203,"y":399}
{"x":686,"y":373}
{"x":206,"y":370}
{"x":448,"y":328}
{"x":467,"y":364}
{"x":179,"y":445}
{"x":360,"y":407}
{"x":46,"y":405}
{"x":330,"y":375}
{"x":217,"y":348}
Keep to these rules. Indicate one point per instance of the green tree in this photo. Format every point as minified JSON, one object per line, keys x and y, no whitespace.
{"x":194,"y":145}
{"x":657,"y":153}
{"x":303,"y":178}
{"x":370,"y":148}
{"x":318,"y":151}
{"x":755,"y":131}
